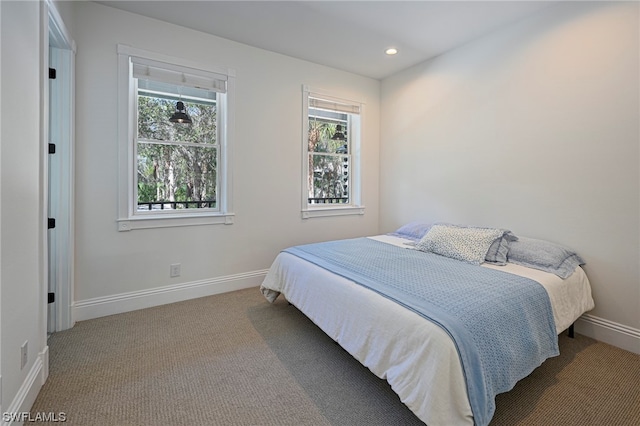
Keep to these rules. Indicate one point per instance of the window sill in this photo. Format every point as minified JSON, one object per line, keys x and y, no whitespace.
{"x":332,"y":211}
{"x":139,"y":222}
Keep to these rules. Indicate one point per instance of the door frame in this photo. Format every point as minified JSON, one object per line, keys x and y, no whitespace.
{"x":59,"y":171}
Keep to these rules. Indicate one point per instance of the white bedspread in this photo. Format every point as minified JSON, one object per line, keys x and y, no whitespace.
{"x":416,"y":357}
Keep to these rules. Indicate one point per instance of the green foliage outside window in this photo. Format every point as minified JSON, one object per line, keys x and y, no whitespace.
{"x":176,"y":162}
{"x":328,"y":163}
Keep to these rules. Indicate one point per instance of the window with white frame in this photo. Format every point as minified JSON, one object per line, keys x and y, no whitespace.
{"x":331,"y":160}
{"x":175,"y":152}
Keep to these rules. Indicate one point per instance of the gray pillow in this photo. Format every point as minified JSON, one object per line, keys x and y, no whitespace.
{"x":412,"y":231}
{"x":544,"y":255}
{"x":497,"y":253}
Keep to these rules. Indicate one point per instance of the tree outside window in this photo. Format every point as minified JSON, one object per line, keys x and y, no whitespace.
{"x":176,"y":162}
{"x":332,"y":141}
{"x":329,"y":157}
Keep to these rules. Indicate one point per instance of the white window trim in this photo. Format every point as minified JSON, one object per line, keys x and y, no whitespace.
{"x":355,"y":207}
{"x":127,"y":217}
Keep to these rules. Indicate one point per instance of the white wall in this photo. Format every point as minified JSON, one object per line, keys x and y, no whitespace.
{"x":534,"y":128}
{"x":65,"y":10}
{"x":22,"y":220}
{"x":266,"y":165}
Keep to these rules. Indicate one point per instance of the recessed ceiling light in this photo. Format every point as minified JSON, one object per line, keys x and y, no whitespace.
{"x":391,"y":51}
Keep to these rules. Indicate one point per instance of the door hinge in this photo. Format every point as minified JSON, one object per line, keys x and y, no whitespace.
{"x":52,"y":73}
{"x":51,"y":223}
{"x":51,"y":297}
{"x":52,"y":148}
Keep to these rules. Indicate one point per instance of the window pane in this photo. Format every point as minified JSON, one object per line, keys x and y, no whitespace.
{"x":154,"y":124}
{"x":176,"y":176}
{"x":328,"y":157}
{"x":329,"y":179}
{"x":324,"y":133}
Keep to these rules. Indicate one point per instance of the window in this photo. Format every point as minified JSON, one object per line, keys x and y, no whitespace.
{"x":331,"y":160}
{"x":172,"y":173}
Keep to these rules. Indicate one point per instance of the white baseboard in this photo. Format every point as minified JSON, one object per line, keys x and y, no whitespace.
{"x":125,"y":302}
{"x":610,"y":332}
{"x":44,"y":355}
{"x":28,"y":392}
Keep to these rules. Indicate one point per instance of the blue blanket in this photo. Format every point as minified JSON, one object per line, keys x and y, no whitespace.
{"x":502,"y":324}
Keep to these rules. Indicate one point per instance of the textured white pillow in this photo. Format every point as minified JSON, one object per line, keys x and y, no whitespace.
{"x":461,"y":243}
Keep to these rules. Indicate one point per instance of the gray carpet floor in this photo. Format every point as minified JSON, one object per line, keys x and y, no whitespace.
{"x":235,"y":359}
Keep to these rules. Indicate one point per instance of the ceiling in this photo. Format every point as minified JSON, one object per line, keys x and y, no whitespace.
{"x":347,"y":35}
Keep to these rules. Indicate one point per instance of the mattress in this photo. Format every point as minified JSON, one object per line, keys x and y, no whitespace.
{"x":416,"y":357}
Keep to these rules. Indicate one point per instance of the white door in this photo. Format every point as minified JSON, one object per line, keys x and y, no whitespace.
{"x":60,"y":178}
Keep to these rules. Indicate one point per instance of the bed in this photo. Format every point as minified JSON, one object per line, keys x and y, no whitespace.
{"x":422,"y":360}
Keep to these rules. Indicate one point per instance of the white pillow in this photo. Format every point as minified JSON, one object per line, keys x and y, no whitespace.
{"x":461,"y":243}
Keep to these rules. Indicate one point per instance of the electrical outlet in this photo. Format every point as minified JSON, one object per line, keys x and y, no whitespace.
{"x":174,"y":270}
{"x":24,"y":354}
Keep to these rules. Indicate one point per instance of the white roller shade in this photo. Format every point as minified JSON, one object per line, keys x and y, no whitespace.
{"x":334,"y":105}
{"x":146,"y":69}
